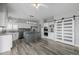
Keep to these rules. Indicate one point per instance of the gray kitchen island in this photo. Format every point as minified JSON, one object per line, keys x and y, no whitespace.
{"x":30,"y":36}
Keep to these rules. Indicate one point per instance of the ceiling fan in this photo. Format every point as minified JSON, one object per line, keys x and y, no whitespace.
{"x":37,"y":5}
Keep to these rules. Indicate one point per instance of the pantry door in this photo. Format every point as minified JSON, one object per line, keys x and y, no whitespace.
{"x":65,"y":31}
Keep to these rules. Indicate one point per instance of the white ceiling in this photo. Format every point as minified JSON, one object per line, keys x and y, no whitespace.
{"x":58,"y":10}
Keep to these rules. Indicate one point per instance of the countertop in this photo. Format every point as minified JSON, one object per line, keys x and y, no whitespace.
{"x":7,"y":33}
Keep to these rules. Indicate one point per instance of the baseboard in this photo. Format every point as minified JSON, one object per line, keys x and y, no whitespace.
{"x":64,"y":42}
{"x":76,"y":45}
{"x":67,"y":43}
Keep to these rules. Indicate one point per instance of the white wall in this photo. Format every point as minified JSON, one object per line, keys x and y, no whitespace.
{"x":77,"y":30}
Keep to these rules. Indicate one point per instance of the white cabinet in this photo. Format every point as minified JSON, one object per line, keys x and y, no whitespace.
{"x":3,"y":15}
{"x":23,"y":25}
{"x":51,"y":35}
{"x":5,"y":43}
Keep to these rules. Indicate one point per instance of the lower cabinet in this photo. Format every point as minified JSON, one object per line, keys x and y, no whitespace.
{"x":5,"y":43}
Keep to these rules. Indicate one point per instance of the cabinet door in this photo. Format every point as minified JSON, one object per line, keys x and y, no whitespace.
{"x":3,"y":15}
{"x":68,"y":30}
{"x":5,"y":43}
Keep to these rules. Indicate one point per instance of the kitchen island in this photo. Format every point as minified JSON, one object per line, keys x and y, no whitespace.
{"x":30,"y":36}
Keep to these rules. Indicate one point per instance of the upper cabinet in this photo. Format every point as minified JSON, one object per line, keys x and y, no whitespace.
{"x":3,"y":14}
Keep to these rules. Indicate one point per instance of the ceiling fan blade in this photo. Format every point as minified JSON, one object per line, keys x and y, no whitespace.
{"x":43,"y":5}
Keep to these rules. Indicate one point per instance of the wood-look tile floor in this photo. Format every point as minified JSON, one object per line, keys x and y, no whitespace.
{"x":43,"y":47}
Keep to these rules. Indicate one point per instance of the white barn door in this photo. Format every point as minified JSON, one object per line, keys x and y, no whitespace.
{"x":58,"y":30}
{"x":68,"y":30}
{"x":65,"y":31}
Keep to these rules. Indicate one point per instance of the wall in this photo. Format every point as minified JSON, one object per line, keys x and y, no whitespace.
{"x":77,"y":31}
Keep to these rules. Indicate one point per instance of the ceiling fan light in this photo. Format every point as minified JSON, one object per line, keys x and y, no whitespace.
{"x":36,"y":5}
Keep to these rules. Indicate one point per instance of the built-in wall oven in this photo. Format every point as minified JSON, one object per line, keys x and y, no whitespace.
{"x":45,"y":31}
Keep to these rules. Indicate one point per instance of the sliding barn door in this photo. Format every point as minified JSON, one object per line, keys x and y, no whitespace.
{"x":65,"y":31}
{"x":58,"y":30}
{"x":68,"y":30}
